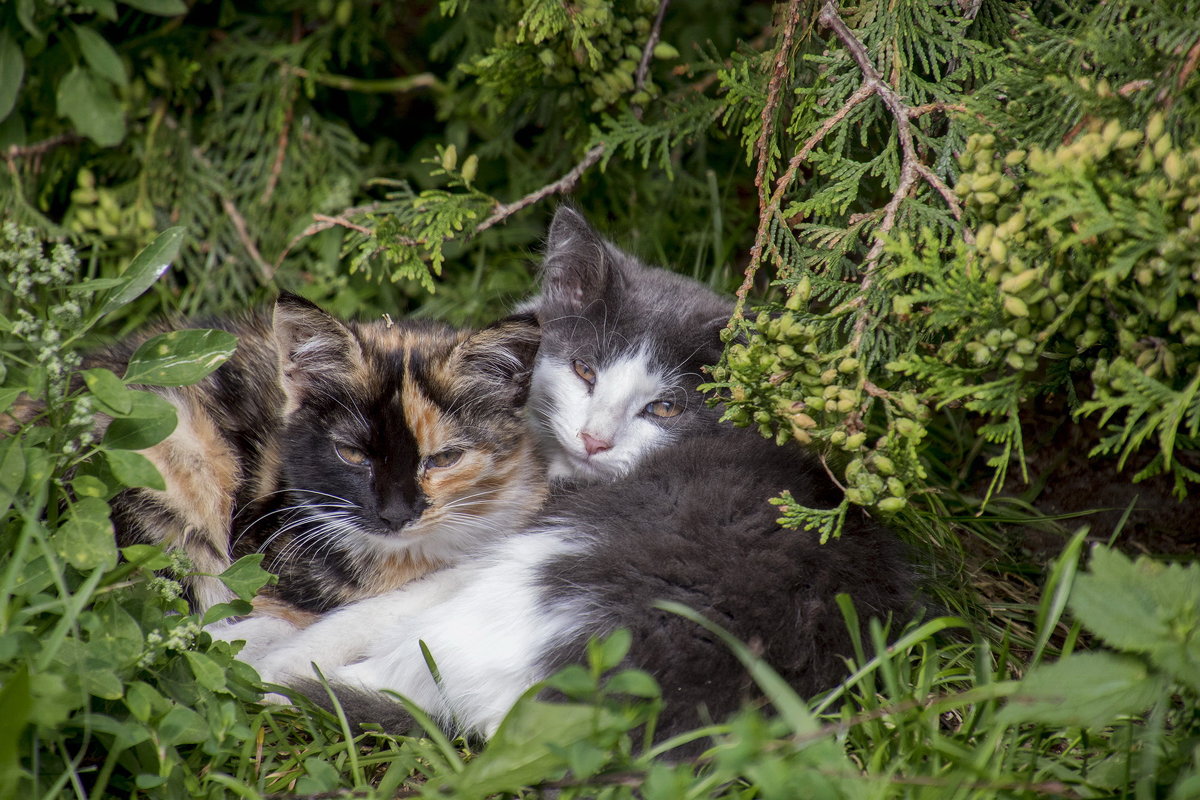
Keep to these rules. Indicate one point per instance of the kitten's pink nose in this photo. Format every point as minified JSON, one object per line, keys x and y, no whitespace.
{"x":594,"y":445}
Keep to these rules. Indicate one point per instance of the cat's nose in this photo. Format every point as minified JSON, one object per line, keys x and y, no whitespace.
{"x":594,"y":445}
{"x":399,"y":513}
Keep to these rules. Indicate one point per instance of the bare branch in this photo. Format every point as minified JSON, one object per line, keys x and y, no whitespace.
{"x":790,"y":20}
{"x":37,"y":149}
{"x":324,"y":223}
{"x":639,"y":77}
{"x":282,"y":144}
{"x":561,"y":186}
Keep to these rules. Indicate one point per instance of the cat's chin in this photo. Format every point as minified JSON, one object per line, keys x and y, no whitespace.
{"x":566,"y":466}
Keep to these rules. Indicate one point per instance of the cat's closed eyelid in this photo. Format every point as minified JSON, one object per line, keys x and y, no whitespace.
{"x":351,"y":455}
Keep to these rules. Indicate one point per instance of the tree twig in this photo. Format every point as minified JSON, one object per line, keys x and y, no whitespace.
{"x":324,"y":223}
{"x":791,"y":17}
{"x":564,"y":184}
{"x":38,"y":149}
{"x":643,"y":69}
{"x":282,"y":144}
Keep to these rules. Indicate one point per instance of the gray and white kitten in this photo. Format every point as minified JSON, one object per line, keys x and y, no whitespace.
{"x":622,"y":349}
{"x":682,"y":516}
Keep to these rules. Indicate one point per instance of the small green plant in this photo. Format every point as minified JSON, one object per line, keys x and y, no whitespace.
{"x":106,"y":682}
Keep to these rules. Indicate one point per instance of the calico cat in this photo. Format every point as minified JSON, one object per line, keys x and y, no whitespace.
{"x":684,"y":518}
{"x":357,"y":456}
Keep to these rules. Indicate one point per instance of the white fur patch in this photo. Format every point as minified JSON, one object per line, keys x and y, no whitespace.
{"x":564,"y":408}
{"x":483,"y":622}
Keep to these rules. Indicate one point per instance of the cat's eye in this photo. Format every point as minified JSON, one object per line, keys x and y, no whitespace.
{"x":351,"y":455}
{"x":446,"y":458}
{"x":586,"y":373}
{"x":663,"y":408}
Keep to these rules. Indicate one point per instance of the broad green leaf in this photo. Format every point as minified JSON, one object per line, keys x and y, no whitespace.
{"x":208,"y":673}
{"x":519,"y":754}
{"x":583,"y":758}
{"x":12,"y":73}
{"x":574,"y":681}
{"x":151,"y":420}
{"x":181,"y":725}
{"x":140,"y":699}
{"x":180,"y":357}
{"x":8,"y":397}
{"x":106,"y":9}
{"x":95,"y":285}
{"x":101,"y":56}
{"x":124,"y":734}
{"x":246,"y":576}
{"x":114,"y":637}
{"x":1087,"y":690}
{"x":16,"y":704}
{"x":606,"y":653}
{"x":146,"y":556}
{"x":38,"y":466}
{"x":163,"y":8}
{"x":321,"y":778}
{"x":91,"y":106}
{"x":146,"y":268}
{"x":12,"y":470}
{"x":220,"y":611}
{"x":85,"y":540}
{"x":99,"y":681}
{"x":88,"y":486}
{"x":109,"y":390}
{"x":633,"y":682}
{"x":1143,"y":606}
{"x":134,"y":469}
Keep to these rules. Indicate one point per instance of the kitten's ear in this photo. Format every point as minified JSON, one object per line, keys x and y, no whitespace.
{"x":577,"y":266}
{"x":312,"y":346}
{"x":497,"y":362}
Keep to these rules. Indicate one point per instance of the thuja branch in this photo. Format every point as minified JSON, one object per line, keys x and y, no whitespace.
{"x":912,"y":168}
{"x":567,"y":182}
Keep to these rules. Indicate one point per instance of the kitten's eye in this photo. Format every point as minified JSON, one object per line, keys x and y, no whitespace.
{"x":351,"y":455}
{"x":586,"y":373}
{"x":663,"y":408}
{"x":446,"y":458}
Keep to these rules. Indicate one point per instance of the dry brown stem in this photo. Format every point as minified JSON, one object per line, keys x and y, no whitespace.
{"x":791,"y":18}
{"x":38,"y":149}
{"x":561,"y":186}
{"x":323,"y":223}
{"x":643,"y":69}
{"x":282,"y":143}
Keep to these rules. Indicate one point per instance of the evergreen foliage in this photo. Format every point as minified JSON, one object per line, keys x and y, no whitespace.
{"x":954,"y":213}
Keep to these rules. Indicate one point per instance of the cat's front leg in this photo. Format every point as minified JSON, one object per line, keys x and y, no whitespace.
{"x":346,"y":634}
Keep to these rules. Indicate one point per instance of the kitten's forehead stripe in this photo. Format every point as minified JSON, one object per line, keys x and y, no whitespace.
{"x":424,"y":418}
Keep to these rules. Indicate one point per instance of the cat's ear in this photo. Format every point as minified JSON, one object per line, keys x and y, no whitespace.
{"x":496,"y":363}
{"x":313,"y":347}
{"x":577,"y":267}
